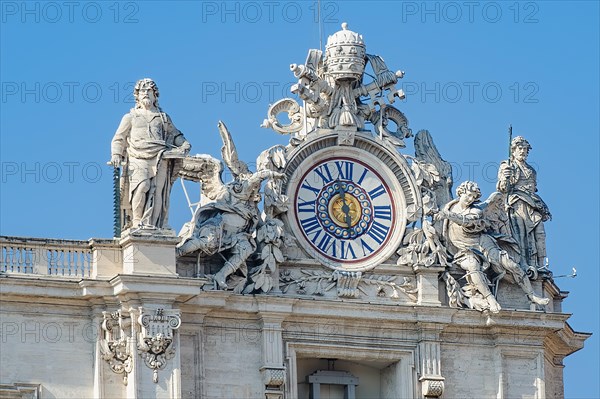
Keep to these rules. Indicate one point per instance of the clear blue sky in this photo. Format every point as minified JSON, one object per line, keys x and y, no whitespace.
{"x":472,"y":68}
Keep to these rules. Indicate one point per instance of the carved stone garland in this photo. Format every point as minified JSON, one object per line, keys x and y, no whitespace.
{"x":348,"y":284}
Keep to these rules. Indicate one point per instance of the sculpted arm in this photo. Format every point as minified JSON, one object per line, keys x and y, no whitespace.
{"x":261,"y":175}
{"x":181,"y":142}
{"x":178,"y":137}
{"x":119,"y":142}
{"x":472,"y":220}
{"x":505,"y":177}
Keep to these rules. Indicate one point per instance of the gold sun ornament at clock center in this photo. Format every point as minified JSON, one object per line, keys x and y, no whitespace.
{"x":337,"y":214}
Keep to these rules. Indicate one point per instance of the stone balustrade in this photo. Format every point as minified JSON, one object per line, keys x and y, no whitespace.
{"x":50,"y":257}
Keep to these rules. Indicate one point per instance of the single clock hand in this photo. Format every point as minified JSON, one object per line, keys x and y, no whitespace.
{"x":345,"y":207}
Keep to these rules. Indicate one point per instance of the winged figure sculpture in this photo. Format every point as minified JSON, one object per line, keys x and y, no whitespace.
{"x":225,"y":225}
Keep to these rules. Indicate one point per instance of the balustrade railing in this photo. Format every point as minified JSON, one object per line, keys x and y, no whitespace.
{"x":67,"y":258}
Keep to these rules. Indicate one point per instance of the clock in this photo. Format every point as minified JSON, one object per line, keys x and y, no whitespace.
{"x":348,"y":203}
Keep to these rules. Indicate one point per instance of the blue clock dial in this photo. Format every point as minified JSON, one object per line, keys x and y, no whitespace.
{"x":345,"y":210}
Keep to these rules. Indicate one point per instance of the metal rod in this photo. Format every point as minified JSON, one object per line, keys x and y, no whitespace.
{"x":187,"y":197}
{"x":117,"y":201}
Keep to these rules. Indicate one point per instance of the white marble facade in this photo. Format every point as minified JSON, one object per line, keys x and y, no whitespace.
{"x":253,"y":346}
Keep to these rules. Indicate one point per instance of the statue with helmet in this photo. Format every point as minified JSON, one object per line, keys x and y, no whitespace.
{"x":527,"y":211}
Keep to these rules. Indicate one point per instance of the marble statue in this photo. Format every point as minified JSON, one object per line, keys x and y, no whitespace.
{"x":150,"y":148}
{"x":226,"y":225}
{"x":527,"y":211}
{"x":474,"y":249}
{"x":335,"y":97}
{"x":270,"y":234}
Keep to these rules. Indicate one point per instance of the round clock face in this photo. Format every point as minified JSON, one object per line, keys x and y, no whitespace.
{"x":349,"y":210}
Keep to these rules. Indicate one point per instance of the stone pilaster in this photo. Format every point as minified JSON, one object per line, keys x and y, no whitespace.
{"x":273,"y":370}
{"x":114,"y":344}
{"x":430,"y":370}
{"x":97,"y":319}
{"x":115,"y":348}
{"x":134,"y":382}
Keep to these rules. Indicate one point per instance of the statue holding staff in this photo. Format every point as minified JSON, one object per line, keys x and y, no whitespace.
{"x":151,"y":148}
{"x":527,"y":211}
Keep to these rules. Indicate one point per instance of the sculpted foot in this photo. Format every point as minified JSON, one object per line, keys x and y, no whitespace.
{"x":537,"y":300}
{"x":220,"y":278}
{"x":494,"y":305}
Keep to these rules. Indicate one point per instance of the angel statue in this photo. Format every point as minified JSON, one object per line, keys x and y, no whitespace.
{"x":423,"y":246}
{"x":428,"y":157}
{"x":227,"y":224}
{"x":466,"y":227}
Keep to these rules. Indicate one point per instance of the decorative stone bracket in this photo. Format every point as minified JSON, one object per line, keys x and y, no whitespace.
{"x":155,"y":344}
{"x":274,"y":380}
{"x":114,"y":344}
{"x":347,"y":283}
{"x":432,"y":387}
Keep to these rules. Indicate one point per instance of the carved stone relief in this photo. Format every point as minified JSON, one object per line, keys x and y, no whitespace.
{"x":155,"y":343}
{"x":115,"y":343}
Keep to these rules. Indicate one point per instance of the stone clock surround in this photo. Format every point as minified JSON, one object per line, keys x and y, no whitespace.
{"x":385,"y":160}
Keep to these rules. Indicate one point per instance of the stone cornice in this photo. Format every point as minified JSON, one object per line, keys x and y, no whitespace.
{"x":188,"y":291}
{"x":566,"y":341}
{"x":158,"y":287}
{"x":186,"y":294}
